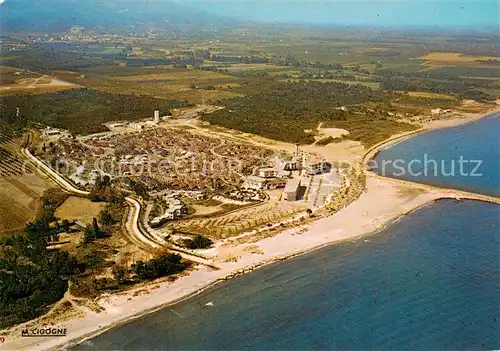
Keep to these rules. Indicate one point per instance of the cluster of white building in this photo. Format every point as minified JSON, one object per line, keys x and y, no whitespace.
{"x":176,"y":209}
{"x":50,"y":132}
{"x":79,"y":179}
{"x":139,"y":125}
{"x":440,"y":111}
{"x":280,"y":176}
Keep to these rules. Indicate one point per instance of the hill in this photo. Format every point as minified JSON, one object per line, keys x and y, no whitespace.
{"x":57,"y":16}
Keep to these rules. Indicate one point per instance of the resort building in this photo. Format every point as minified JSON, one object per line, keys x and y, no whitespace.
{"x":275,"y":183}
{"x":291,"y":165}
{"x":255,"y":182}
{"x":54,"y":132}
{"x":292,"y":188}
{"x":316,"y":165}
{"x":176,"y":209}
{"x":267,"y":172}
{"x":137,"y":125}
{"x":261,"y":183}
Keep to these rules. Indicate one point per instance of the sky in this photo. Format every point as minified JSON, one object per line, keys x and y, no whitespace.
{"x":476,"y":14}
{"x":469,"y":13}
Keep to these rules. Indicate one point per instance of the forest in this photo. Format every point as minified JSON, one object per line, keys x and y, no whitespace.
{"x":434,"y":82}
{"x":33,"y":277}
{"x":83,"y":111}
{"x":292,"y":108}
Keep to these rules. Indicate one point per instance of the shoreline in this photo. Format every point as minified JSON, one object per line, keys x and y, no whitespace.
{"x":464,"y":119}
{"x":358,"y":220}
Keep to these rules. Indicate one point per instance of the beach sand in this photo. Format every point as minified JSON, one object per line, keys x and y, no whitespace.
{"x":382,"y":202}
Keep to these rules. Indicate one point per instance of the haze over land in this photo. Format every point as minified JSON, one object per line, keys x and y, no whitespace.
{"x":405,"y":13}
{"x":55,"y":14}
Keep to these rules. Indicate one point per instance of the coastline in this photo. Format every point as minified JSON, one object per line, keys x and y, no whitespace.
{"x":382,"y":203}
{"x":433,"y":125}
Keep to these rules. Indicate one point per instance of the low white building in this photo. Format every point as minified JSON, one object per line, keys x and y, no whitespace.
{"x":54,"y":132}
{"x":137,"y":125}
{"x":267,"y":172}
{"x":75,"y":178}
{"x":255,"y":182}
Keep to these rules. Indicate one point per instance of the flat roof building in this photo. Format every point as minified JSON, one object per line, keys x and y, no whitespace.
{"x":255,"y":182}
{"x":317,"y":165}
{"x":267,"y":172}
{"x":291,"y":192}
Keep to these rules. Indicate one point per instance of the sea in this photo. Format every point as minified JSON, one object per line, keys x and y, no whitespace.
{"x":429,"y":281}
{"x":465,"y":157}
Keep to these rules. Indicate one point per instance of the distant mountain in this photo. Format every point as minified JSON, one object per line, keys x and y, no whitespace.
{"x":60,"y":15}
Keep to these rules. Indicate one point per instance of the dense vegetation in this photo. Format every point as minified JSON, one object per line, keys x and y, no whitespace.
{"x":437,"y":81}
{"x":198,"y":242}
{"x":83,"y":111}
{"x":292,"y":108}
{"x":32,"y":277}
{"x":45,"y":60}
{"x":159,"y":267}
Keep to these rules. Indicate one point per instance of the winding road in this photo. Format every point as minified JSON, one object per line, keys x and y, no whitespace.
{"x":149,"y":241}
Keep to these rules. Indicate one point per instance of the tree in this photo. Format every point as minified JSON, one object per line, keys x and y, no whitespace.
{"x":92,"y":232}
{"x":120,"y":273}
{"x":105,"y":218}
{"x":199,"y":242}
{"x":159,"y":267}
{"x":66,"y":226}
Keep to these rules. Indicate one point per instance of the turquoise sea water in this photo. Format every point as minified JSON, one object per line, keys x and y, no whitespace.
{"x":478,"y":143}
{"x":430,"y":281}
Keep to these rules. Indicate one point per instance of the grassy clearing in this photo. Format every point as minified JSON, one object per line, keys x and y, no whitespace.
{"x":180,"y":75}
{"x":238,"y":67}
{"x":454,"y":57}
{"x":77,"y":208}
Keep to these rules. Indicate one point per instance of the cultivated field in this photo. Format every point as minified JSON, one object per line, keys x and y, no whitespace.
{"x":19,"y":193}
{"x":428,"y":95}
{"x":455,"y":58}
{"x":237,"y":222}
{"x":192,"y":85}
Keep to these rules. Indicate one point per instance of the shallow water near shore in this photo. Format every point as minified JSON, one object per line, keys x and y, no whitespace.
{"x":429,"y":281}
{"x":434,"y":157}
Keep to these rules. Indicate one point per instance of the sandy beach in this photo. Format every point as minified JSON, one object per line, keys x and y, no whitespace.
{"x":381,"y":204}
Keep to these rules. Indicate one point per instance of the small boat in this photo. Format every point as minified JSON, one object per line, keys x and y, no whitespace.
{"x":209,"y":304}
